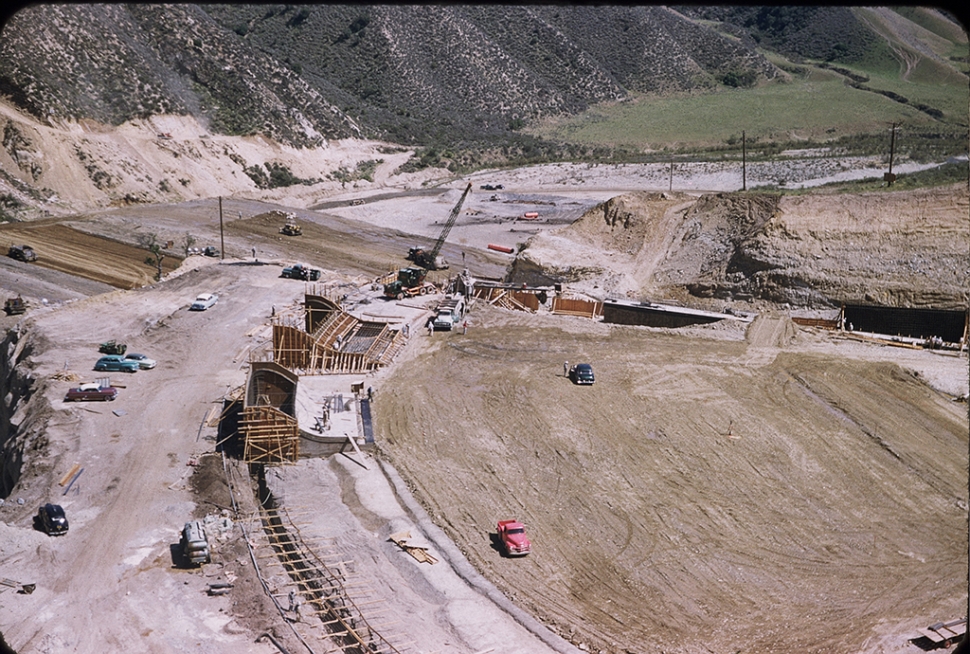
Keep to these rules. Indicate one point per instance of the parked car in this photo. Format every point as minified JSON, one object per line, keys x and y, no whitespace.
{"x":91,"y":393}
{"x":514,"y":540}
{"x":143,"y":361}
{"x":204,"y":301}
{"x":116,"y":363}
{"x":52,"y":519}
{"x":581,"y":373}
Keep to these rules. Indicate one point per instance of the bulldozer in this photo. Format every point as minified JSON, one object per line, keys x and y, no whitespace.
{"x":291,"y":228}
{"x":15,"y":306}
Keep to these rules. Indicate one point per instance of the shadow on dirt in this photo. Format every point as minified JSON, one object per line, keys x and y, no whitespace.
{"x":497,"y":545}
{"x":179,"y":560}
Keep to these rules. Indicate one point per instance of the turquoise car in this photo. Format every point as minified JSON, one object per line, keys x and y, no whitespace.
{"x":116,"y":363}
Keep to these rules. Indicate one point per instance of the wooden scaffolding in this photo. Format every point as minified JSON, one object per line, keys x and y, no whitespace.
{"x":271,"y":436}
{"x":509,"y":298}
{"x":327,"y":339}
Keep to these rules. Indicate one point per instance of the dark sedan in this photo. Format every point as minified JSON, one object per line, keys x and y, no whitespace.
{"x":91,"y":393}
{"x":52,"y":519}
{"x":581,"y":373}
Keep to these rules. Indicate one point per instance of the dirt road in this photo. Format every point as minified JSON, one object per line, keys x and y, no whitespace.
{"x":128,"y":505}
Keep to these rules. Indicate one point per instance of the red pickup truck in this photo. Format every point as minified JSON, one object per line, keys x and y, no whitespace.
{"x":512,"y":535}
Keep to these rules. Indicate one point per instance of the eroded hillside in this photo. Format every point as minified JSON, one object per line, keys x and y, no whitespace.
{"x":905,"y":248}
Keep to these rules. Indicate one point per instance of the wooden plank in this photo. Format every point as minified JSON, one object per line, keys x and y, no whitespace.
{"x":932,"y":635}
{"x":70,"y":473}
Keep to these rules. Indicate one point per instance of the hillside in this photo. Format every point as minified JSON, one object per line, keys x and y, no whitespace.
{"x":302,"y":74}
{"x":114,"y":104}
{"x":903,"y":248}
{"x":298,"y":73}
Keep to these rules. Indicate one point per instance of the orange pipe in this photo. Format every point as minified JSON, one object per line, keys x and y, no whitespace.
{"x":500,"y":248}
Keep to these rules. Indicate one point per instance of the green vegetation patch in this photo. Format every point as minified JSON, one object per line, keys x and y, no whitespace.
{"x":275,"y":175}
{"x":363,"y":171}
{"x":779,"y":111}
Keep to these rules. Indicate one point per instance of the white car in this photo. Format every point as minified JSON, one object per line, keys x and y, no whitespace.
{"x":143,"y":361}
{"x":204,"y":301}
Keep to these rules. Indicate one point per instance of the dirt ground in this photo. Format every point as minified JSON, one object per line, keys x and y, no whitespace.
{"x":707,"y":493}
{"x":730,"y":488}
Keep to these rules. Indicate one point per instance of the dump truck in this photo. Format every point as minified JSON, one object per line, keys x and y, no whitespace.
{"x":512,"y":535}
{"x":195,"y":545}
{"x":450,"y":312}
{"x":409,"y":282}
{"x":22,"y":253}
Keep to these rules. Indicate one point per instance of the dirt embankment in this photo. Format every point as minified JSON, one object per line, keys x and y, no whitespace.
{"x":904,"y":248}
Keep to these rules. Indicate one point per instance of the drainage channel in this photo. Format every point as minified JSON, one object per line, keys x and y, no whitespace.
{"x":316,"y":597}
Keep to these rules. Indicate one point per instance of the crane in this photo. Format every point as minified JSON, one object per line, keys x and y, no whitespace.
{"x":431,"y":260}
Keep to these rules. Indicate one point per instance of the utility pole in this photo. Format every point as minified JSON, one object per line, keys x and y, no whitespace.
{"x":889,"y":177}
{"x":671,"y":187}
{"x":222,"y":238}
{"x":744,"y":162}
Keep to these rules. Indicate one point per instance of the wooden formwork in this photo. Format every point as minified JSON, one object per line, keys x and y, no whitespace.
{"x":507,"y":298}
{"x":341,"y":344}
{"x":292,"y":346}
{"x":320,"y":592}
{"x":270,"y":436}
{"x":576,"y":307}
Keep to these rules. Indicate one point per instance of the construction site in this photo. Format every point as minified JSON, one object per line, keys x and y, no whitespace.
{"x":742,"y":476}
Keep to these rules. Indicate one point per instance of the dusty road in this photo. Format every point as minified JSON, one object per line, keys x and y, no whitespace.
{"x":128,"y":505}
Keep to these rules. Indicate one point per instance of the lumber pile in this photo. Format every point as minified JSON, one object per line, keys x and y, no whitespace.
{"x":419,"y":552}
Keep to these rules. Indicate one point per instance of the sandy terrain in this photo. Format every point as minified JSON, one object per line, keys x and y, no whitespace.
{"x":729,"y":488}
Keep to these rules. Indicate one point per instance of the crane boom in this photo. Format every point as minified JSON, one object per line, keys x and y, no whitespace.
{"x":430,"y":260}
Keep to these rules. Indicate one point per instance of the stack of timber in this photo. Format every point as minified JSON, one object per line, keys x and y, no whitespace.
{"x":419,"y":552}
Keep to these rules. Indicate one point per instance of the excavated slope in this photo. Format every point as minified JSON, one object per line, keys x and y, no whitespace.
{"x":906,"y":248}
